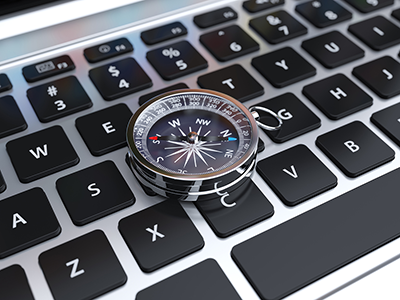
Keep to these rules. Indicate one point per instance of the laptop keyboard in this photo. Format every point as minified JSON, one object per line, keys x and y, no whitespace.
{"x":76,"y":224}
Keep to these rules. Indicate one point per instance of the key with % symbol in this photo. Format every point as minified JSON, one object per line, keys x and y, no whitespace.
{"x":171,"y":52}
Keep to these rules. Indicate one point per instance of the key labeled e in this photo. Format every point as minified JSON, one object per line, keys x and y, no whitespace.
{"x":353,"y":147}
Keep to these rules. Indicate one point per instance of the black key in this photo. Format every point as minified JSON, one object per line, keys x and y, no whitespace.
{"x":5,"y":83}
{"x":387,"y":120}
{"x":26,"y":219}
{"x":41,"y":153}
{"x":107,"y":50}
{"x":283,"y":67}
{"x":236,"y":209}
{"x":260,"y":146}
{"x":297,"y":118}
{"x":215,"y":17}
{"x":323,"y":13}
{"x":94,"y":192}
{"x":378,"y":33}
{"x":355,"y":149}
{"x":160,"y":234}
{"x":14,"y":284}
{"x":105,"y":130}
{"x":163,"y":33}
{"x":381,"y":75}
{"x":176,"y":60}
{"x":11,"y":119}
{"x":278,"y":27}
{"x":48,"y":68}
{"x":333,"y":49}
{"x":367,"y":6}
{"x":296,"y":175}
{"x":337,"y":96}
{"x":255,"y":5}
{"x":143,"y":99}
{"x":396,"y":14}
{"x":185,"y":285}
{"x":229,"y":42}
{"x":234,"y":81}
{"x":58,"y":99}
{"x":283,"y":259}
{"x":3,"y":184}
{"x":83,"y":268}
{"x":119,"y":78}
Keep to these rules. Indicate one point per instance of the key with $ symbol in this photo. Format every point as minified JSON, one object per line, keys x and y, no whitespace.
{"x":113,"y":71}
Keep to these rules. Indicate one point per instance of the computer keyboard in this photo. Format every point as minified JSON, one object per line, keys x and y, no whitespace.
{"x":319,"y":212}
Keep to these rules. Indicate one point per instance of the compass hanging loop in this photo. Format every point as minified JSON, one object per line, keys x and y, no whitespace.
{"x":256,"y":116}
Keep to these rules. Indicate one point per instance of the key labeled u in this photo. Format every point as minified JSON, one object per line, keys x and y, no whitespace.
{"x":332,"y":47}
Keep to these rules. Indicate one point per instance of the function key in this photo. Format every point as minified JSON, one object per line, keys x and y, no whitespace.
{"x":163,"y":33}
{"x":5,"y":83}
{"x":59,"y":98}
{"x":278,"y":27}
{"x":14,"y":284}
{"x":332,"y":49}
{"x":207,"y":274}
{"x":160,"y":234}
{"x":83,"y":268}
{"x":41,"y":153}
{"x":296,"y":175}
{"x":337,"y":96}
{"x":94,"y":192}
{"x":381,"y":75}
{"x":107,"y":50}
{"x":366,"y":6}
{"x":48,"y":68}
{"x":259,"y":5}
{"x":119,"y":78}
{"x":283,"y":67}
{"x":234,"y":81}
{"x":215,"y":17}
{"x":229,"y":42}
{"x":11,"y":119}
{"x":26,"y":219}
{"x":355,"y":149}
{"x":323,"y":13}
{"x":176,"y":60}
{"x":378,"y":32}
{"x":104,"y":130}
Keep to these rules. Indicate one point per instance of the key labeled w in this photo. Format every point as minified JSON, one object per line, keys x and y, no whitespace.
{"x":39,"y":151}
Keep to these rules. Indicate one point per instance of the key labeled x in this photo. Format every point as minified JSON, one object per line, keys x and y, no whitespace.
{"x":154,"y":233}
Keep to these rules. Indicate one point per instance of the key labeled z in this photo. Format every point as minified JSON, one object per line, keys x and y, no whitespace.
{"x":388,"y":74}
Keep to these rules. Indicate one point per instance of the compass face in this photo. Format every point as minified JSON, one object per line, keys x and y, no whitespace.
{"x":193,"y":133}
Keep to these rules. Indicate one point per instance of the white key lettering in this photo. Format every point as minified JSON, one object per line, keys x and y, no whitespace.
{"x":229,"y":83}
{"x":388,"y":74}
{"x":155,"y":233}
{"x":338,"y":93}
{"x":39,"y":151}
{"x":332,"y":47}
{"x":284,"y":115}
{"x":293,"y":173}
{"x":92,"y":188}
{"x":74,"y":263}
{"x":18,"y":219}
{"x":353,"y":147}
{"x":108,"y":127}
{"x":282,"y":64}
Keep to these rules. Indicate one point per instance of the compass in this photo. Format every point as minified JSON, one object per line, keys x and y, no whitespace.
{"x":193,"y":144}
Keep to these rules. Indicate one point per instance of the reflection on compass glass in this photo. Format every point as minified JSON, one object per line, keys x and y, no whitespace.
{"x":193,"y":134}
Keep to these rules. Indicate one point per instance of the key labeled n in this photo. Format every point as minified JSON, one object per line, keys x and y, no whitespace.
{"x":39,"y":151}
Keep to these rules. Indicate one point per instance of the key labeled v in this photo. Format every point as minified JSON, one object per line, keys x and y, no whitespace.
{"x":292,"y":173}
{"x":39,"y":151}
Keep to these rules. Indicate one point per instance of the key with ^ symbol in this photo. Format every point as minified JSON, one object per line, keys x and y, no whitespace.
{"x":228,"y":43}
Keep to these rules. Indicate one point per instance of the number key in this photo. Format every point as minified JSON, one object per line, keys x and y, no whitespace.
{"x":59,"y":98}
{"x":176,"y":60}
{"x":278,"y":27}
{"x":229,"y":42}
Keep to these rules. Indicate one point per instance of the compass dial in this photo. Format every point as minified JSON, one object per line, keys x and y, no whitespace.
{"x":192,"y":134}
